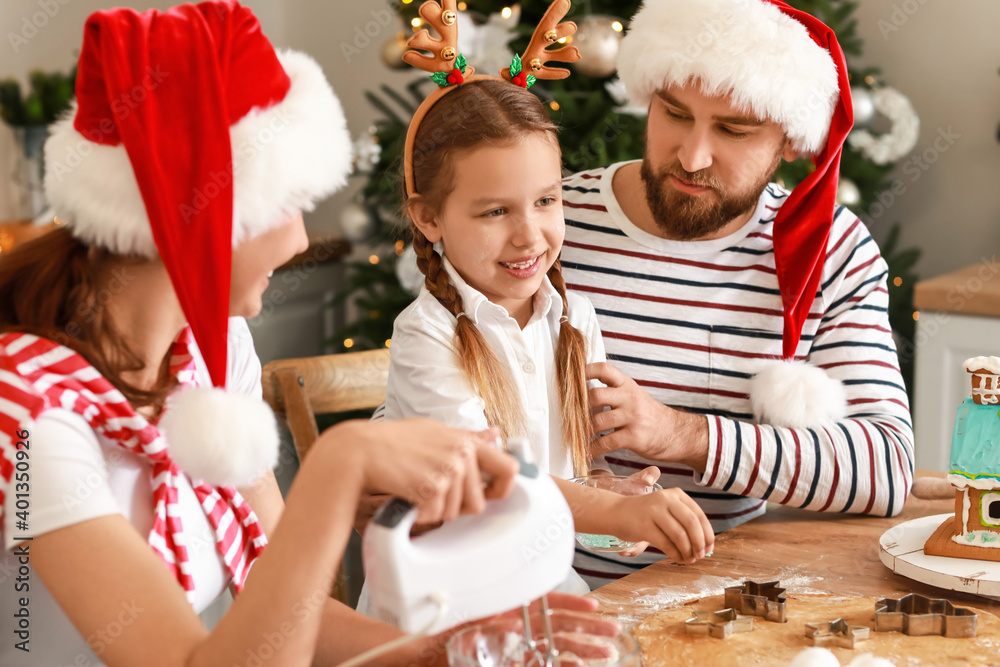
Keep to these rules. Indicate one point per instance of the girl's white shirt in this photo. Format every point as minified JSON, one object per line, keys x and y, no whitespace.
{"x":425,"y":379}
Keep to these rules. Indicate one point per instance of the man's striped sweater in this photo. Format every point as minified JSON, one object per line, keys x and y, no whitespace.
{"x":691,"y":322}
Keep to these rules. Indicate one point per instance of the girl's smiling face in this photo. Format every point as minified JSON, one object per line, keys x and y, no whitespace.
{"x":502,"y":224}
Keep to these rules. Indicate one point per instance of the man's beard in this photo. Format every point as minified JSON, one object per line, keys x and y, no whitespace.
{"x":687,"y":217}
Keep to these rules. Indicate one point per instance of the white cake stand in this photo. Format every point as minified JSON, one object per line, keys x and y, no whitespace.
{"x":901,"y":549}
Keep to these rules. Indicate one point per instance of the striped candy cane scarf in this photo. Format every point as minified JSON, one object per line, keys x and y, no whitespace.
{"x":37,"y":374}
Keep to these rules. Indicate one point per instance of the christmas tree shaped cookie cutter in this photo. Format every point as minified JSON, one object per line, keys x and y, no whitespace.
{"x":755,"y":599}
{"x":917,"y":615}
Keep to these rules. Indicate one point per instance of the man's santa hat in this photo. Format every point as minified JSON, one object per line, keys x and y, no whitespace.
{"x":188,"y":136}
{"x":786,"y":66}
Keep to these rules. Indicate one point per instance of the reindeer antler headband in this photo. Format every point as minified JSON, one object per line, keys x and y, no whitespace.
{"x":449,"y":69}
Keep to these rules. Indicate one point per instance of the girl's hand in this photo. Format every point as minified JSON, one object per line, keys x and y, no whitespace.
{"x":647,"y":476}
{"x":439,"y":469}
{"x":669,"y":520}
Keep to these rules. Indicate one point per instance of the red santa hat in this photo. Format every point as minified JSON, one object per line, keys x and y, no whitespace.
{"x":188,"y":136}
{"x":786,"y":66}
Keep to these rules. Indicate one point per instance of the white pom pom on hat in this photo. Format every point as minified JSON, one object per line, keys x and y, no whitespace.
{"x":219,"y":437}
{"x":795,"y":394}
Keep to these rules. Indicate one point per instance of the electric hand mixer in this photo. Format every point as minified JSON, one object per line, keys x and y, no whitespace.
{"x":517,"y":550}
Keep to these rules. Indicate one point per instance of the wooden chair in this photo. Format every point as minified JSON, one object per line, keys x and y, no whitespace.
{"x":298,"y":389}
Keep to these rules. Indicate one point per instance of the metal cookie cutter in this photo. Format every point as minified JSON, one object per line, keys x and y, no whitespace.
{"x":917,"y":615}
{"x":836,"y":633}
{"x":766,"y":600}
{"x":718,"y":624}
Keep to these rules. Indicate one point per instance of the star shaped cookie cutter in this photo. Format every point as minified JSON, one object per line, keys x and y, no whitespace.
{"x":917,"y":615}
{"x":836,"y":633}
{"x":755,"y":599}
{"x":718,"y":624}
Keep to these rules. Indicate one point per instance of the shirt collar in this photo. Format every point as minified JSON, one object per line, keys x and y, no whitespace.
{"x":547,"y":302}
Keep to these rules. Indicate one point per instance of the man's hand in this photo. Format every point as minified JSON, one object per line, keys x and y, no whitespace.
{"x":643,"y":424}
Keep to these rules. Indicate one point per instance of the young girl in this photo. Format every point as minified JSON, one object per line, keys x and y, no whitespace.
{"x":494,"y":338}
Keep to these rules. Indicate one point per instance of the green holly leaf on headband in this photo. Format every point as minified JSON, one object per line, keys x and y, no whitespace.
{"x":440,"y":78}
{"x":460,"y":63}
{"x":515,"y":66}
{"x":530,"y":80}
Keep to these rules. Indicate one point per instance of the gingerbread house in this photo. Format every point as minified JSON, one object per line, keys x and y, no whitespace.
{"x":974,"y":530}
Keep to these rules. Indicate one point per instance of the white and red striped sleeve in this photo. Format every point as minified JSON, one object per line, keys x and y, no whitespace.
{"x":862,"y":464}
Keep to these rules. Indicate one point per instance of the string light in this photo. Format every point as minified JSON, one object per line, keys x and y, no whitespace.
{"x":462,"y":6}
{"x":507,"y":11}
{"x":565,"y":40}
{"x":373,"y":314}
{"x":387,"y":342}
{"x":897,"y":281}
{"x":399,"y":248}
{"x":373,"y":259}
{"x":415,"y":23}
{"x":406,"y":2}
{"x":916,"y":315}
{"x":617,"y":26}
{"x":870,"y":80}
{"x":554,"y":105}
{"x":348,"y":342}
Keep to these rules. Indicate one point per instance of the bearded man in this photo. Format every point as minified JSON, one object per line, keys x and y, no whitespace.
{"x":747,"y":325}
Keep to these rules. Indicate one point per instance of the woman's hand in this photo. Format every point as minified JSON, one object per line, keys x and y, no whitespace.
{"x":669,"y":520}
{"x":445,"y":472}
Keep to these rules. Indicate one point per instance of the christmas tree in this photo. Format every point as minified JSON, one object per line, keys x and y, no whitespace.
{"x":598,"y":128}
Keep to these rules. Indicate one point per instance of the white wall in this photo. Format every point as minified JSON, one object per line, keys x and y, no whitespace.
{"x":944,"y":55}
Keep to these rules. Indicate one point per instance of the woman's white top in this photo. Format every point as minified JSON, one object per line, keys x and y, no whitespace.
{"x":78,"y":475}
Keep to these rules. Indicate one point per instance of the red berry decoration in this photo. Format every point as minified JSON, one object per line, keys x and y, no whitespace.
{"x":521,"y":80}
{"x":456,"y":77}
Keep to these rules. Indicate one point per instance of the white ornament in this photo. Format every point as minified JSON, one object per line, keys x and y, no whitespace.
{"x":848,"y":193}
{"x":367,"y":152}
{"x":598,"y":42}
{"x":900,"y":140}
{"x":616,"y":88}
{"x":864,"y":106}
{"x":407,"y":271}
{"x":356,"y":223}
{"x":485,"y":46}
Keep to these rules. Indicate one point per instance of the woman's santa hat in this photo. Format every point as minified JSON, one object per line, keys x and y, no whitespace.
{"x":190,"y":135}
{"x":786,"y":66}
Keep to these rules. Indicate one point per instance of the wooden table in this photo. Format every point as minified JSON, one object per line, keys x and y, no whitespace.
{"x":808,"y":551}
